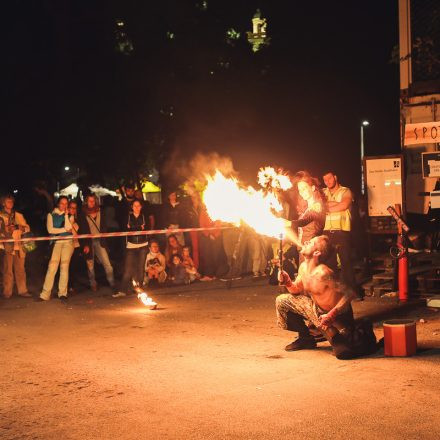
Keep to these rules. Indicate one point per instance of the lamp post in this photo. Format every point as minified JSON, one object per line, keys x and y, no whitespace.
{"x":364,"y":123}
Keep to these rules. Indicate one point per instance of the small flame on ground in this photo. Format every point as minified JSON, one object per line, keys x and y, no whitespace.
{"x":146,"y":300}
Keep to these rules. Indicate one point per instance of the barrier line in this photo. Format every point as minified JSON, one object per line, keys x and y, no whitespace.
{"x":111,"y":234}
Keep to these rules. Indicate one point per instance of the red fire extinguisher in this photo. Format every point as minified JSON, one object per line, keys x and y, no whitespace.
{"x":403,"y":267}
{"x":402,"y":252}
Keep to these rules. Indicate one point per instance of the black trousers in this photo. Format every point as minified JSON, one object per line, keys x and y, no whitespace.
{"x":340,"y":240}
{"x":212,"y":257}
{"x":134,"y":267}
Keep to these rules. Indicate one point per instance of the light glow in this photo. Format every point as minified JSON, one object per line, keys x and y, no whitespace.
{"x":146,"y":300}
{"x":227,"y":201}
{"x":269,"y":178}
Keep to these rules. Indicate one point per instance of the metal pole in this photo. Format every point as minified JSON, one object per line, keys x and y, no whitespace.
{"x":362,"y":160}
{"x":281,"y":252}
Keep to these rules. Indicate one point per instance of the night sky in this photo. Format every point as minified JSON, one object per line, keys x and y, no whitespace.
{"x":73,"y":99}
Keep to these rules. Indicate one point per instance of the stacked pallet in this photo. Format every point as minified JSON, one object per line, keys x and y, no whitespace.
{"x":423,"y":273}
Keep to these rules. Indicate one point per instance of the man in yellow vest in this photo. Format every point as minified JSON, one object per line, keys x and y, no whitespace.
{"x":338,"y":224}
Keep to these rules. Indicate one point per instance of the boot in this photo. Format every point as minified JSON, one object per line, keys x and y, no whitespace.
{"x":341,"y":348}
{"x":302,"y":343}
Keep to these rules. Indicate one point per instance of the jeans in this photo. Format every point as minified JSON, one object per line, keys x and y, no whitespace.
{"x":101,"y":254}
{"x":134,"y":267}
{"x":61,"y":254}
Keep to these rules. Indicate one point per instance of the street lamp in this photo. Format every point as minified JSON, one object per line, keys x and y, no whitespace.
{"x":66,"y":168}
{"x":364,"y":123}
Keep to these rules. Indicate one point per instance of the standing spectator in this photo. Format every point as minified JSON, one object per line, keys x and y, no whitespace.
{"x":135,"y":252}
{"x":147,"y":210}
{"x":191,"y":220}
{"x":212,"y":254}
{"x":14,"y":259}
{"x":92,"y":221}
{"x":59,"y":223}
{"x":172,"y":215}
{"x":338,"y":224}
{"x":125,"y":204}
{"x":311,"y":208}
{"x":76,"y":260}
{"x":258,"y":253}
{"x":109,"y":208}
{"x":155,"y":266}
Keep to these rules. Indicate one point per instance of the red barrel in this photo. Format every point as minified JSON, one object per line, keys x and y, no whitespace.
{"x":400,"y":337}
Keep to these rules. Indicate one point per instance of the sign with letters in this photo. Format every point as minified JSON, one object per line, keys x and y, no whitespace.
{"x":383,"y":176}
{"x":422,"y":133}
{"x":431,"y":164}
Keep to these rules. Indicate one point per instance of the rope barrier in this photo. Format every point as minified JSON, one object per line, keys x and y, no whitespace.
{"x":111,"y":234}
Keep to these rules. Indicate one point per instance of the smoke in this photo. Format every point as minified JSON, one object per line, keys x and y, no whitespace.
{"x":192,"y":172}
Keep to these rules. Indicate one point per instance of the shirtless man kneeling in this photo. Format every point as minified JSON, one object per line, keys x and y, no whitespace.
{"x":316,"y":297}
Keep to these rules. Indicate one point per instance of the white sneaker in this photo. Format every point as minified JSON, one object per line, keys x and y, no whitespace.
{"x":119,"y":295}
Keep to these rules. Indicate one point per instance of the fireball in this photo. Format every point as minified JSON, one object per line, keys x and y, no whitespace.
{"x":227,"y":201}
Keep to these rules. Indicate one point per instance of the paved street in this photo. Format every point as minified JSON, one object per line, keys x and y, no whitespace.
{"x":209,"y":363}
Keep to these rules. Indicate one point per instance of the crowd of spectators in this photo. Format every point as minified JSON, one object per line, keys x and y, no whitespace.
{"x":171,"y":258}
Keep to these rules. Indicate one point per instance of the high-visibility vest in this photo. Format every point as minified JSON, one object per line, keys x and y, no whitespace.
{"x":339,"y":220}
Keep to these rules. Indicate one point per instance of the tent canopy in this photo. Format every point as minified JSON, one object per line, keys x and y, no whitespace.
{"x":150,"y":187}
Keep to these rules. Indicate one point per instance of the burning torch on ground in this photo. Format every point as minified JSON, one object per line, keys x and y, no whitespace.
{"x":146,"y":300}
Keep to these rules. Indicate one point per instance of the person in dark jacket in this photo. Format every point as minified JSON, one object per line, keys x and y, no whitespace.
{"x":172,"y":215}
{"x":135,"y":251}
{"x":92,"y":221}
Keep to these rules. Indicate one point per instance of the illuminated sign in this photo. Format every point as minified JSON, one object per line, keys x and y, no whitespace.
{"x":422,"y":133}
{"x":384,"y":184}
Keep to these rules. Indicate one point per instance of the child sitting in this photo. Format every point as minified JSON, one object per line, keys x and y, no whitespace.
{"x":189,"y":265}
{"x":177,"y":273}
{"x":155,"y":264}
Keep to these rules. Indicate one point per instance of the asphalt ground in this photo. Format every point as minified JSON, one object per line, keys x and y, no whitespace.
{"x":209,"y":363}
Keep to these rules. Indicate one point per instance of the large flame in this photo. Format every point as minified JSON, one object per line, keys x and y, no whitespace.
{"x":226,"y":201}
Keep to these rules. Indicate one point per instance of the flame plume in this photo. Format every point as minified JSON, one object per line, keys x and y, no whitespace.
{"x":226,"y":201}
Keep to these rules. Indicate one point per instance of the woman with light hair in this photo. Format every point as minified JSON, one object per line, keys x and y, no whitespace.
{"x":14,"y":226}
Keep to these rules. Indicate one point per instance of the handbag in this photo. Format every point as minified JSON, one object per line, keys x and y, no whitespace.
{"x":31,"y":245}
